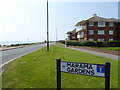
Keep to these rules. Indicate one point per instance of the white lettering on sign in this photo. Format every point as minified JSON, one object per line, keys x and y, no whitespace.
{"x":83,"y":68}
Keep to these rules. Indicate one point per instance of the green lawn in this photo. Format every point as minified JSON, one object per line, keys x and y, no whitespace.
{"x":60,"y":44}
{"x":110,"y":48}
{"x":38,"y":70}
{"x":107,"y":48}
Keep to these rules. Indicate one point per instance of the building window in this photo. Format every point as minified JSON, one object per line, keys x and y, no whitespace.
{"x":91,"y":32}
{"x":111,"y":39}
{"x":110,"y":32}
{"x":100,"y":39}
{"x":101,"y":24}
{"x":101,"y":32}
{"x":111,"y":24}
{"x":90,"y":39}
{"x":91,"y":23}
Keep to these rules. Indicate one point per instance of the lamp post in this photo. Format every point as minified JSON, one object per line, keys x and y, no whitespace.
{"x":56,"y":35}
{"x":47,"y":28}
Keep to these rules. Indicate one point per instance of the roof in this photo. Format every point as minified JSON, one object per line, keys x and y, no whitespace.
{"x":96,"y":19}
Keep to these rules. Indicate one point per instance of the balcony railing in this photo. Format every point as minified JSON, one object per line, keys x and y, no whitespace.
{"x":68,"y":35}
{"x":80,"y":36}
{"x":81,"y":28}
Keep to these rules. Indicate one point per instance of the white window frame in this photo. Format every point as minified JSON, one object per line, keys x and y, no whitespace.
{"x":91,"y":23}
{"x":111,"y":32}
{"x":111,"y":24}
{"x":91,"y":39}
{"x":101,"y":25}
{"x":101,"y":33}
{"x":91,"y":31}
{"x":111,"y":39}
{"x":101,"y":39}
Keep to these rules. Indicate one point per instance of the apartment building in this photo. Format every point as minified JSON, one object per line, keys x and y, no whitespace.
{"x":97,"y":29}
{"x":72,"y":35}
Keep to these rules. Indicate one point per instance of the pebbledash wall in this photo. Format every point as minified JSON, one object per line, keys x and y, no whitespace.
{"x":96,"y":29}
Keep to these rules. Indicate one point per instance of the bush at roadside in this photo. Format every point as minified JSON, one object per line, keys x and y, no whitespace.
{"x":74,"y":43}
{"x":94,"y":43}
{"x":89,"y":43}
{"x":113,"y":43}
{"x":101,"y":44}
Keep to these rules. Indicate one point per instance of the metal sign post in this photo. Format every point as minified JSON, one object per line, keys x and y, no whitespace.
{"x":107,"y":76}
{"x":97,"y":70}
{"x":58,"y":74}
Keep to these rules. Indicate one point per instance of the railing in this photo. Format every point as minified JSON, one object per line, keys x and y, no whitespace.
{"x":68,"y":34}
{"x":81,"y":28}
{"x":80,"y":36}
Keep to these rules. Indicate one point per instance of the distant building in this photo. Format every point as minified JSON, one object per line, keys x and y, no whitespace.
{"x":72,"y":35}
{"x":98,"y":29}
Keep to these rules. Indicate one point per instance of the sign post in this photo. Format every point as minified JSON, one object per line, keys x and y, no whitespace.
{"x":97,"y":70}
{"x":58,"y":74}
{"x":107,"y":76}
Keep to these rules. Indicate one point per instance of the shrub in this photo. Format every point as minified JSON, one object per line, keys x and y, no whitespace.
{"x":15,"y":45}
{"x":113,"y":43}
{"x":88,"y":43}
{"x":62,"y":41}
{"x":73,"y":42}
{"x":101,"y":44}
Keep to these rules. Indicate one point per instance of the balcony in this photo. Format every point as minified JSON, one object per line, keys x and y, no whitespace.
{"x":80,"y":36}
{"x":68,"y":35}
{"x":81,"y":28}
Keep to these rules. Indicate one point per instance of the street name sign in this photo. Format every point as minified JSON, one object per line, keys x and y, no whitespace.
{"x":97,"y":70}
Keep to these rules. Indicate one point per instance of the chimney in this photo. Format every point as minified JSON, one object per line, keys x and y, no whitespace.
{"x":94,"y":15}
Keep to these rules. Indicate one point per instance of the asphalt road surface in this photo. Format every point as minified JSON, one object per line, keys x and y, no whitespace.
{"x":11,"y":54}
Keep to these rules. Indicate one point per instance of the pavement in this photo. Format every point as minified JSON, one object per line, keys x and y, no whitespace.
{"x":110,"y":56}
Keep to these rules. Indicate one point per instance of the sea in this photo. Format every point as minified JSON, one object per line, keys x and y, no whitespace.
{"x":17,"y":42}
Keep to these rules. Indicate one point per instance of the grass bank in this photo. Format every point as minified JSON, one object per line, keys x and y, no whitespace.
{"x":106,"y":48}
{"x":110,"y":48}
{"x":38,"y":70}
{"x":60,"y":44}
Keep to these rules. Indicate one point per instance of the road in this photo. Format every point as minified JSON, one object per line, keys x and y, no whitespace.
{"x":9,"y":55}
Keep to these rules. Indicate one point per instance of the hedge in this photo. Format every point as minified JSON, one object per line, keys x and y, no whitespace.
{"x":89,"y":43}
{"x":94,"y":43}
{"x":62,"y":41}
{"x":113,"y":43}
{"x":73,"y":42}
{"x":101,"y":44}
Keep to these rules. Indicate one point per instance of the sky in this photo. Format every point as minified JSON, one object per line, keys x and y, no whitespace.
{"x":21,"y":20}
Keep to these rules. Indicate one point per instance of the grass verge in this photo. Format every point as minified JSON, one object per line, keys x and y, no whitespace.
{"x":60,"y":44}
{"x":38,"y":70}
{"x":110,"y":48}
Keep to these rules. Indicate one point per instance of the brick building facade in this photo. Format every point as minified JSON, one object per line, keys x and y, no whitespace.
{"x":98,"y":29}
